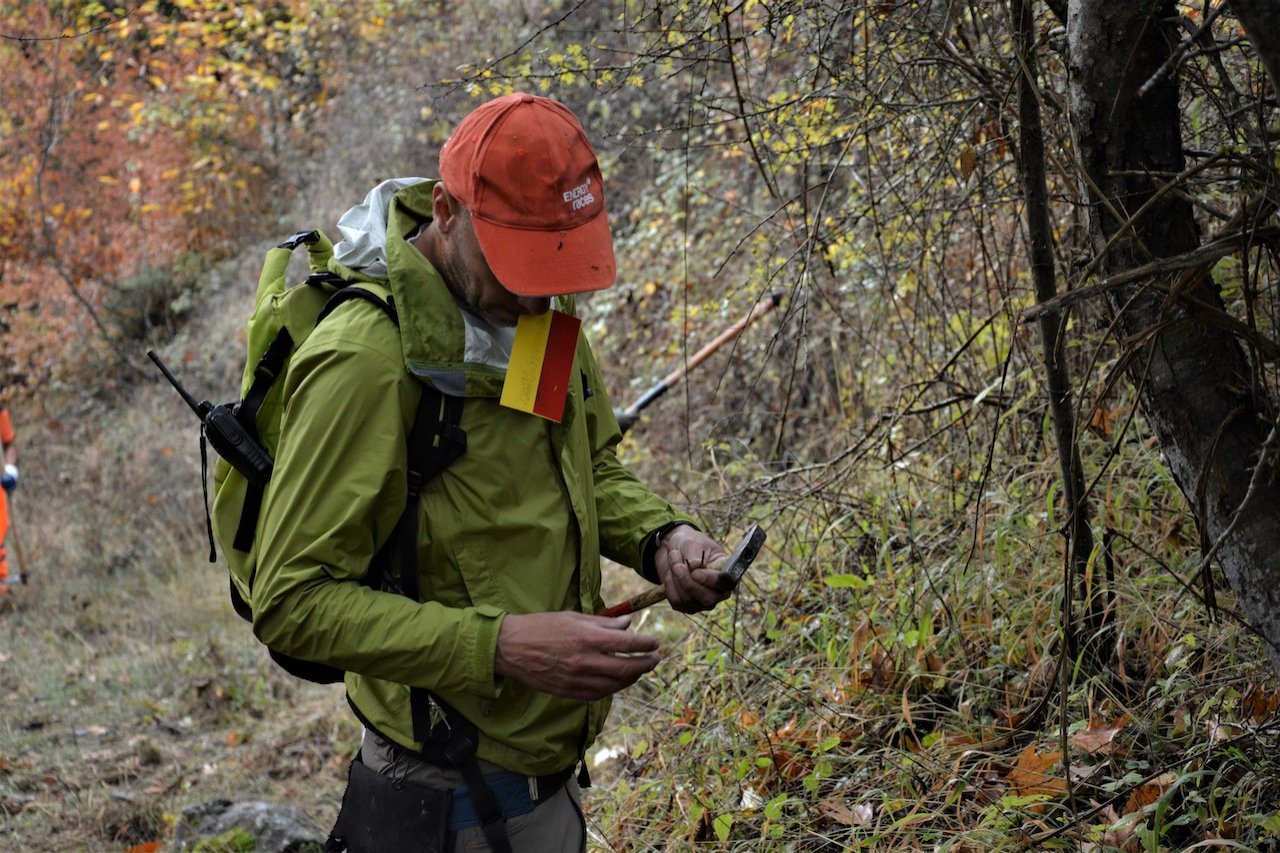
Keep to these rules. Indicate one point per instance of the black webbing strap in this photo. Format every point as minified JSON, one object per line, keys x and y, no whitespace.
{"x":264,"y":374}
{"x":326,"y":280}
{"x":462,"y":752}
{"x":453,"y":744}
{"x":425,"y":424}
{"x":204,"y":492}
{"x":435,"y":442}
{"x":355,"y":291}
{"x":249,"y":510}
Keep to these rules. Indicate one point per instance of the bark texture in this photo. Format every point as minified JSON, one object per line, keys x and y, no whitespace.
{"x":1197,"y":388}
{"x":1053,"y":326}
{"x":1261,"y":20}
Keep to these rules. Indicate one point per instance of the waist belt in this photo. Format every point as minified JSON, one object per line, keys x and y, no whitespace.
{"x":516,"y":795}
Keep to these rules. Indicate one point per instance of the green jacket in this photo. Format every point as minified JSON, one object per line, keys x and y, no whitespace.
{"x":517,"y":525}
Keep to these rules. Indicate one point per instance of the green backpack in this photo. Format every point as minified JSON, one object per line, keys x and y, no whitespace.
{"x":282,"y":318}
{"x":245,"y":434}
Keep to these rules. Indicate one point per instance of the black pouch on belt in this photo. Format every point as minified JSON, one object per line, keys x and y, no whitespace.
{"x":381,"y":814}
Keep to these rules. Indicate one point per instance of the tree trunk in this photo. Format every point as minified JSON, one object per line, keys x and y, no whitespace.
{"x":1053,"y":334}
{"x":1197,"y":389}
{"x":1261,"y":20}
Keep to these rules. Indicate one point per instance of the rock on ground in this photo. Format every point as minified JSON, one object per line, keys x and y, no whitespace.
{"x":275,"y":828}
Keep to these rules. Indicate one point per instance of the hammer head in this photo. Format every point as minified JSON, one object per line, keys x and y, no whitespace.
{"x":736,"y":566}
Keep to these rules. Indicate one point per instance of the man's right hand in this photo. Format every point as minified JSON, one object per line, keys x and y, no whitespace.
{"x":573,"y":655}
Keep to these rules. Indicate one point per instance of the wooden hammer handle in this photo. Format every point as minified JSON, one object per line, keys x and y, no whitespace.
{"x":648,"y":598}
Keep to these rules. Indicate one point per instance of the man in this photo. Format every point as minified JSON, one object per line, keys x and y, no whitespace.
{"x":8,"y":482}
{"x":511,"y":533}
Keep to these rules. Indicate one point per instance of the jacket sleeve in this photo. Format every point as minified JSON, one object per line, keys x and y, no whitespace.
{"x":628,"y":511}
{"x":337,"y":491}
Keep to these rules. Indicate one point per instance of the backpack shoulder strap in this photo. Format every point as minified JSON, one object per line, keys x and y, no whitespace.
{"x":355,"y":291}
{"x":264,"y":375}
{"x":436,"y":441}
{"x":269,"y":366}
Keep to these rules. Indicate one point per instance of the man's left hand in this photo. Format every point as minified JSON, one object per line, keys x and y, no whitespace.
{"x":684,"y":559}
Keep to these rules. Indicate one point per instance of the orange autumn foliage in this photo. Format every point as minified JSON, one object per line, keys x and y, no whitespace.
{"x":1033,"y":774}
{"x":130,"y":138}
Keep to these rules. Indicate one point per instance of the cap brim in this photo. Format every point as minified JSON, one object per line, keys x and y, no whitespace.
{"x":549,"y":263}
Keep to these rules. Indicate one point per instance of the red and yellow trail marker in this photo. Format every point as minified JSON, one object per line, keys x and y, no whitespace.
{"x":541,"y":364}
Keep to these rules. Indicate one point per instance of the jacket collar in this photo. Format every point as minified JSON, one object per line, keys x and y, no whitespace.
{"x":456,"y":351}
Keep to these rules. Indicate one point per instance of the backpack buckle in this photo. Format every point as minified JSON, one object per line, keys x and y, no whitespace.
{"x":459,"y":749}
{"x":296,"y":240}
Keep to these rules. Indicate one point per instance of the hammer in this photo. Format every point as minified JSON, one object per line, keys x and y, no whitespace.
{"x":731,"y":571}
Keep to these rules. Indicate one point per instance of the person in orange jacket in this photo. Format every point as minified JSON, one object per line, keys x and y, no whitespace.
{"x":9,"y":482}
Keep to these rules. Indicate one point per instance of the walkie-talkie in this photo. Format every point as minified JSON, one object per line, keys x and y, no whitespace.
{"x":230,"y":439}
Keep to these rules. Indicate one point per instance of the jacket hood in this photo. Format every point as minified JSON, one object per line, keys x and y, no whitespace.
{"x":364,"y":230}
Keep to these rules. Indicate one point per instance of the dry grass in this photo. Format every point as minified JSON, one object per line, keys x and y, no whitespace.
{"x":132,"y":689}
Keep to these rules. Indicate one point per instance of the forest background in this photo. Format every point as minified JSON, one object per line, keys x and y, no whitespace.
{"x":1011,"y":430}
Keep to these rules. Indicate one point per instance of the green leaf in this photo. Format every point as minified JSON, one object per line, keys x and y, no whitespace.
{"x":722,"y":824}
{"x":847,"y":581}
{"x":1271,"y":823}
{"x":773,"y":808}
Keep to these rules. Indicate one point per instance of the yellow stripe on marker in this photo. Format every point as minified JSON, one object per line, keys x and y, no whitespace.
{"x":541,"y":364}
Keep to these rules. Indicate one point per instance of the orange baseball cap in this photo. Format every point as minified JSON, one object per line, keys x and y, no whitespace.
{"x":523,"y":167}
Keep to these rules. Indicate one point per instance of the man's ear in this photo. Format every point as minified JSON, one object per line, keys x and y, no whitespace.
{"x":443,"y":207}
